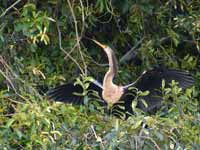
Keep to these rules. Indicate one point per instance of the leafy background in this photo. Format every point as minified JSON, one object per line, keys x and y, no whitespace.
{"x":46,"y":43}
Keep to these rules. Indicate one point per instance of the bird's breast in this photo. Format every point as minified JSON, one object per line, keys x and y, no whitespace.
{"x":112,"y":94}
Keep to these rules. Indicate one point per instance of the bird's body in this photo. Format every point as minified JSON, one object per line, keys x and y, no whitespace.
{"x":111,"y":93}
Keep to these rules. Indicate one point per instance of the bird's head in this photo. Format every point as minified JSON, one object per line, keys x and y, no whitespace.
{"x":101,"y":45}
{"x":106,"y":48}
{"x":111,"y":56}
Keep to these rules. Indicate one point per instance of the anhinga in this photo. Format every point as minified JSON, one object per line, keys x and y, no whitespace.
{"x":111,"y":93}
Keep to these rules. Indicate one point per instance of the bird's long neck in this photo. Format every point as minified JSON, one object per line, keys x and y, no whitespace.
{"x":108,"y":79}
{"x":111,"y":93}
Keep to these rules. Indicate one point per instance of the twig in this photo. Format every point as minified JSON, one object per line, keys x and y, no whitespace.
{"x":8,"y":79}
{"x":146,"y":137}
{"x":11,"y":6}
{"x":142,"y":130}
{"x":95,"y":62}
{"x":77,"y":36}
{"x":107,"y":21}
{"x":136,"y":142}
{"x":98,"y":64}
{"x":8,"y":115}
{"x":53,"y":128}
{"x":69,"y":53}
{"x":62,"y":49}
{"x":83,"y":17}
{"x":97,"y":137}
{"x":6,"y":66}
{"x":17,"y":102}
{"x":128,"y":55}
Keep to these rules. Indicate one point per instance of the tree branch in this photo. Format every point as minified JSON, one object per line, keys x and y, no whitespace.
{"x":11,"y":6}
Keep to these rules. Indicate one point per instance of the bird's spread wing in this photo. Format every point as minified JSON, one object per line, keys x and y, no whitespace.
{"x":152,"y":81}
{"x":72,"y":93}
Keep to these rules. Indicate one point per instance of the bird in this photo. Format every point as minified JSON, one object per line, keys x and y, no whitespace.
{"x":117,"y":95}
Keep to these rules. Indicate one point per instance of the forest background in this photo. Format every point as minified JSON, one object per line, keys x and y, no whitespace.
{"x":46,"y":43}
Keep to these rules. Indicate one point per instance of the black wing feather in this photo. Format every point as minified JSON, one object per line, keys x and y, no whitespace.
{"x":66,"y":93}
{"x":152,"y":81}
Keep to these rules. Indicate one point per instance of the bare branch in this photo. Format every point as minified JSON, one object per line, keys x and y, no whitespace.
{"x":99,"y":139}
{"x":77,"y":36}
{"x":149,"y":138}
{"x":62,"y":49}
{"x":11,"y":6}
{"x":130,"y":53}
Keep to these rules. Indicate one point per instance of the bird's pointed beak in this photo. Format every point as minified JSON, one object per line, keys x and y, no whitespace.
{"x":98,"y":43}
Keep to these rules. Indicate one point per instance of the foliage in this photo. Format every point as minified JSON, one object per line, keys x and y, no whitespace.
{"x":45,"y":43}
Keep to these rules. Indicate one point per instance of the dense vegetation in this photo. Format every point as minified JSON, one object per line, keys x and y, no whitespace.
{"x":46,"y":43}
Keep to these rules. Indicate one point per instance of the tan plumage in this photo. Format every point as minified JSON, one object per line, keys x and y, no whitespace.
{"x":111,"y":92}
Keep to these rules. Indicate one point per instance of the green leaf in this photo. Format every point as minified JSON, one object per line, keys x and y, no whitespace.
{"x":145,"y":93}
{"x":10,"y":122}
